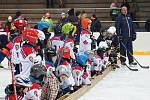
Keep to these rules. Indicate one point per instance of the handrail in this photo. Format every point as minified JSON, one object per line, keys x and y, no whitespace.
{"x":59,"y":9}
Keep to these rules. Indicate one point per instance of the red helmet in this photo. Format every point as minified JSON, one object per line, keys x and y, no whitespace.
{"x":17,"y":39}
{"x":20,"y":23}
{"x":65,"y":52}
{"x":30,"y":35}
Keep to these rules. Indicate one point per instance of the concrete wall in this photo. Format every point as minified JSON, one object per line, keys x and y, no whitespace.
{"x":142,"y":43}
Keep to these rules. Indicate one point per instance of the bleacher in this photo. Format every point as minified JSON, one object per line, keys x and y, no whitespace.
{"x":34,"y":9}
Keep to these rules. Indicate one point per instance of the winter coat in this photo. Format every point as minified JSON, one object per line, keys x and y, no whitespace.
{"x":96,"y":25}
{"x":124,"y":26}
{"x":50,"y":88}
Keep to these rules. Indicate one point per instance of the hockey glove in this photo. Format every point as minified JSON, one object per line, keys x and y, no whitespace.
{"x":133,"y":37}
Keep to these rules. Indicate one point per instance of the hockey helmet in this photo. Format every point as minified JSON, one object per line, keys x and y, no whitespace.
{"x":43,"y":24}
{"x":65,"y":52}
{"x":23,"y":80}
{"x":67,"y":28}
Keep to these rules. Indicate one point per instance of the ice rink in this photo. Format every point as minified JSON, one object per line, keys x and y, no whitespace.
{"x":121,"y":84}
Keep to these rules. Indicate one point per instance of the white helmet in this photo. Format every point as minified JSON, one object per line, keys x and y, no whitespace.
{"x":33,"y":94}
{"x":23,"y":80}
{"x":112,"y":30}
{"x":103,"y":44}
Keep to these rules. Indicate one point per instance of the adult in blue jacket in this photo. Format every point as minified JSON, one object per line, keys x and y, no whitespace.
{"x":126,"y":33}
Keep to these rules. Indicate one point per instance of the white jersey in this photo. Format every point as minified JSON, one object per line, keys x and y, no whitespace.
{"x":57,"y":43}
{"x":85,"y":43}
{"x":33,"y":94}
{"x":16,"y":56}
{"x":97,"y":64}
{"x":27,"y":63}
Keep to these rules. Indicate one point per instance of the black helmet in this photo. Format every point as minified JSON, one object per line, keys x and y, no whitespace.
{"x":9,"y":89}
{"x":37,"y":71}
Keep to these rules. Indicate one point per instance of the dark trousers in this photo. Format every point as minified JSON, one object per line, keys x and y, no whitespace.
{"x":127,"y":42}
{"x":17,"y":69}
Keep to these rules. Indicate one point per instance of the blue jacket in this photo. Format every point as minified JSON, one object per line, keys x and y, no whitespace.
{"x":124,"y":26}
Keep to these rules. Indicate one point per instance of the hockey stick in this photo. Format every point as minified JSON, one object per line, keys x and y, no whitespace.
{"x":127,"y":65}
{"x":13,"y":79}
{"x":147,"y":67}
{"x":60,"y":53}
{"x":130,"y":68}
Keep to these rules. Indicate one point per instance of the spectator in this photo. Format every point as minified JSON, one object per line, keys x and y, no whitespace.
{"x":63,"y":18}
{"x":48,"y":18}
{"x":147,"y":25}
{"x":133,"y":11}
{"x":126,"y":33}
{"x":74,"y":19}
{"x":85,"y":21}
{"x":18,"y":15}
{"x":126,"y":4}
{"x":114,"y":9}
{"x":77,"y":38}
{"x":9,"y":23}
{"x":96,"y":24}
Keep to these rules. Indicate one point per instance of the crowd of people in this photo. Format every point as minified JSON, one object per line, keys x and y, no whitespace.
{"x":48,"y":67}
{"x":45,"y":67}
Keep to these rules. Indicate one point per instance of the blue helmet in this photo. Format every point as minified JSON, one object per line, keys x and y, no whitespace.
{"x":81,"y":59}
{"x":43,"y":24}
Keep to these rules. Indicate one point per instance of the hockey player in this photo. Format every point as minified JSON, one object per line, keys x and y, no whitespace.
{"x":16,"y":55}
{"x":22,"y":87}
{"x":85,"y":41}
{"x":65,"y":61}
{"x":82,"y":60}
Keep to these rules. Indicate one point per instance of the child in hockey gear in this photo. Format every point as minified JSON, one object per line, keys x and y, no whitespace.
{"x":37,"y":72}
{"x":113,"y":57}
{"x":22,"y":87}
{"x":28,"y":55}
{"x":68,"y":28}
{"x":102,"y":54}
{"x":16,"y":57}
{"x":65,"y":64}
{"x":114,"y":46}
{"x":77,"y":72}
{"x":30,"y":35}
{"x":20,"y":24}
{"x":85,"y":41}
{"x":65,"y":77}
{"x":97,"y":63}
{"x":82,"y":60}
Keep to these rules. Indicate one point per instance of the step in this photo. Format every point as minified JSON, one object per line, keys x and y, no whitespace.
{"x":94,"y":5}
{"x":22,"y":6}
{"x":21,"y":1}
{"x":92,"y":1}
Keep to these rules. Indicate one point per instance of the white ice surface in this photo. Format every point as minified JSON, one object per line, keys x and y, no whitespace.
{"x":5,"y":79}
{"x":123,"y":84}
